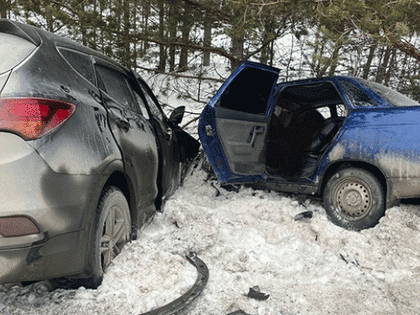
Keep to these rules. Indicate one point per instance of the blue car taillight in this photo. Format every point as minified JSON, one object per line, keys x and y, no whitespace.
{"x":33,"y":118}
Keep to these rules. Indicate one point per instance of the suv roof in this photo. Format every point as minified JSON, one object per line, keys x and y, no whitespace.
{"x":37,"y":36}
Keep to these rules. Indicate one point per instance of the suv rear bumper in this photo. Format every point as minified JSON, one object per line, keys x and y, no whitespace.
{"x":61,"y":255}
{"x":58,"y":204}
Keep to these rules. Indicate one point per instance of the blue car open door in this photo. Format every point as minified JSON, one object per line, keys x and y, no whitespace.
{"x":234,"y":125}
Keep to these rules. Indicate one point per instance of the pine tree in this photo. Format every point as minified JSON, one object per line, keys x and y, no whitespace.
{"x":5,"y":7}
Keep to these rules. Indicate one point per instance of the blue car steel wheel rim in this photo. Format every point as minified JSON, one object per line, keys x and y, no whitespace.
{"x":353,"y":199}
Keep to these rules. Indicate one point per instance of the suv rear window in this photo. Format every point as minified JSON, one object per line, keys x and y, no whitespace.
{"x":13,"y":50}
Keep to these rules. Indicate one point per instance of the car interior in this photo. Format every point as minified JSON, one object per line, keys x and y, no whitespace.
{"x":304,"y":120}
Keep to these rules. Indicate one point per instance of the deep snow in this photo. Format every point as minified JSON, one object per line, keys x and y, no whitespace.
{"x":250,"y":238}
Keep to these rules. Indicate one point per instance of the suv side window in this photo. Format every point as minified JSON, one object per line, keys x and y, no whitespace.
{"x":116,"y":86}
{"x":151,"y":101}
{"x":79,"y":62}
{"x":142,"y":104}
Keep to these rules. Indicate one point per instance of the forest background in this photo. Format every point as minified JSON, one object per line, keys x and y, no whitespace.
{"x":192,"y":39}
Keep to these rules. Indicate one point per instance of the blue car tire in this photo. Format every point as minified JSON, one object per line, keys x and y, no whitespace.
{"x":354,"y":199}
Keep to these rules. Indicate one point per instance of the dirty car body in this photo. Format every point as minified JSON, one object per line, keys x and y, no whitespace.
{"x":352,"y":141}
{"x":86,"y":157}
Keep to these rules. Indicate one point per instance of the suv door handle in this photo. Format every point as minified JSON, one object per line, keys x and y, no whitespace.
{"x":257,"y":130}
{"x":168,"y":133}
{"x":122,"y":124}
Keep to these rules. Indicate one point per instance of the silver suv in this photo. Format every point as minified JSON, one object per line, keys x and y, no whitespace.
{"x":86,"y":157}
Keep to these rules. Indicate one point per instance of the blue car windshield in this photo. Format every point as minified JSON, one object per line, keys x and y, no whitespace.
{"x":390,"y":96}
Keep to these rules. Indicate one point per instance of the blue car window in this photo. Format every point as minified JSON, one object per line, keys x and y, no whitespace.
{"x":249,"y":92}
{"x":390,"y":96}
{"x":356,"y":95}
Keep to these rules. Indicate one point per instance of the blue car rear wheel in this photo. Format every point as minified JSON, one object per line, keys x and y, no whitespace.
{"x":354,"y":199}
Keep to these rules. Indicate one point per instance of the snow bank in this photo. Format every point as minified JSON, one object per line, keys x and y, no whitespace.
{"x":250,"y":238}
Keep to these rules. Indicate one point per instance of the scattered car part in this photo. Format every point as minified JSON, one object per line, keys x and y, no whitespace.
{"x":217,"y":189}
{"x":240,"y":312}
{"x":304,"y":215}
{"x":187,"y":298}
{"x":256,"y":294}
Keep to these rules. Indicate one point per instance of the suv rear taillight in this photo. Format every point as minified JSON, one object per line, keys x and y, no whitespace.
{"x":33,"y":118}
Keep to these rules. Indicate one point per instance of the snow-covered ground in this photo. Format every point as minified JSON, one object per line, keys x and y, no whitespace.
{"x":250,"y":238}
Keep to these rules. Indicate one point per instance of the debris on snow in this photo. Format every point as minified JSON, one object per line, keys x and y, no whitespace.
{"x":304,"y":215}
{"x":256,"y":294}
{"x":240,"y":312}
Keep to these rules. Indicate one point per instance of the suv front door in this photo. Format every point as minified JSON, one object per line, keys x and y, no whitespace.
{"x":170,"y":162}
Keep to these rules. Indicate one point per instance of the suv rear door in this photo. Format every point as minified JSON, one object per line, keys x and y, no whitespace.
{"x":132,"y":131}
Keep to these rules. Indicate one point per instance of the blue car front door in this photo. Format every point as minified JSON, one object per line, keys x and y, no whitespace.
{"x":234,"y":124}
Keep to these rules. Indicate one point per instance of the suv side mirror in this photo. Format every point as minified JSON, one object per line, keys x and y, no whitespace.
{"x":177,"y":115}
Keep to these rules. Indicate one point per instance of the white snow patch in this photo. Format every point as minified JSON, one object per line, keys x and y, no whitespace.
{"x":250,"y":238}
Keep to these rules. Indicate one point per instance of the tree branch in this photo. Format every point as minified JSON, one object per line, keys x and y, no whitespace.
{"x":409,"y":49}
{"x":177,"y":75}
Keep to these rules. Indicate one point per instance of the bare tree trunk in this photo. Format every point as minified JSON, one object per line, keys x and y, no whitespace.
{"x":134,"y":57}
{"x":334,"y":60}
{"x":82,"y":25}
{"x":237,"y":36}
{"x":366,"y":68}
{"x":146,"y":15}
{"x":391,"y":67}
{"x":162,"y":48}
{"x":267,"y":51}
{"x":271,"y":54}
{"x":382,"y":67}
{"x":402,"y":76}
{"x":237,"y":50}
{"x":186,"y":28}
{"x":94,"y":40}
{"x":207,"y":42}
{"x":126,"y":34}
{"x":172,"y":30}
{"x":4,"y":6}
{"x":318,"y":52}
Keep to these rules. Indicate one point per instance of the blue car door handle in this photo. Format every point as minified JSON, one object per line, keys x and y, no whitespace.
{"x":257,"y":130}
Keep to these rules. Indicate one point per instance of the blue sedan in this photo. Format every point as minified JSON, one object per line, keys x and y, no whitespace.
{"x":351,"y":141}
